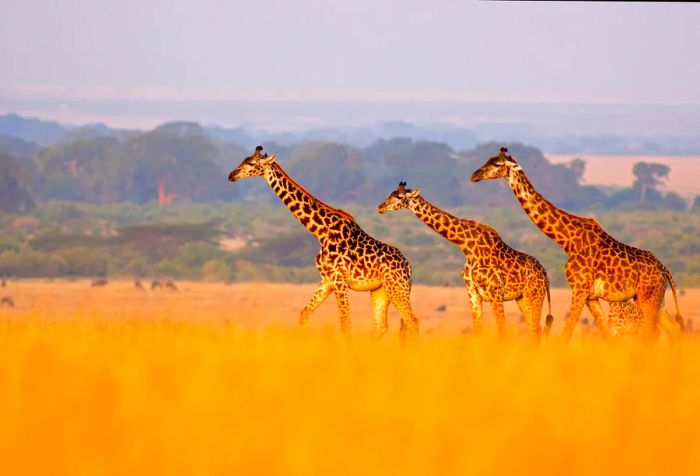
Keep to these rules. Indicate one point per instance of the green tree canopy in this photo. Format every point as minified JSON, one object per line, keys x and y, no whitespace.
{"x":648,"y":176}
{"x":16,"y":177}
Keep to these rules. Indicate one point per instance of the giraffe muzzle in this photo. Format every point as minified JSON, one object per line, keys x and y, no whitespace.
{"x":232,"y":176}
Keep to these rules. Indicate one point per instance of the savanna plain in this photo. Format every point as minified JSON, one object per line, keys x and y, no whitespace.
{"x":219,"y":379}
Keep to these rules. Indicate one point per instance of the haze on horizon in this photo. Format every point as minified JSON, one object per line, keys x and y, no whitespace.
{"x":80,"y":61}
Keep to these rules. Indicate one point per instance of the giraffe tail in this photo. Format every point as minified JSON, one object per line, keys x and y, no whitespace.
{"x":669,"y":278}
{"x":549,"y":319}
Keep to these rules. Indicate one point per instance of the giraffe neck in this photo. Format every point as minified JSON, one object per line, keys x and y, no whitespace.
{"x":562,"y":227}
{"x":320,"y":219}
{"x":449,"y":226}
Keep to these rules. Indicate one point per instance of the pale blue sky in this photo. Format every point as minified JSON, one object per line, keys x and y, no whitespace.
{"x":360,"y":49}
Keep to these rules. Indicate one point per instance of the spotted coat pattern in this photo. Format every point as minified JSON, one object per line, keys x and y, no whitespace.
{"x":625,"y":319}
{"x":598,"y":266}
{"x":349,"y":258}
{"x":494,"y":272}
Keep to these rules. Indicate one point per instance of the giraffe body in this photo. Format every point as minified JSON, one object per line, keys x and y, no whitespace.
{"x":349,"y":258}
{"x":598,"y":266}
{"x":494,"y":272}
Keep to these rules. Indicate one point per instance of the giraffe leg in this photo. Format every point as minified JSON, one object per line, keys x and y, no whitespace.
{"x":343,"y":300}
{"x":403,"y":331}
{"x":625,"y":318}
{"x":578,"y":299}
{"x":320,"y":295}
{"x":617,"y":318}
{"x":380,"y":304}
{"x":500,"y":316}
{"x":650,"y":326}
{"x":599,"y":316}
{"x":400,"y":298}
{"x":649,"y":300}
{"x":532,"y":311}
{"x":409,"y":322}
{"x":475,"y":304}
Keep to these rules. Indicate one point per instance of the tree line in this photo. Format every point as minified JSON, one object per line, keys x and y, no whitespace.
{"x":179,"y":162}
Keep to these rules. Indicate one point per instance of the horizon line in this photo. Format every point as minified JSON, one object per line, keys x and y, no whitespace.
{"x":203,"y":95}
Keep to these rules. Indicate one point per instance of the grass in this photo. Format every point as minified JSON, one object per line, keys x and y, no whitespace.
{"x":116,"y":381}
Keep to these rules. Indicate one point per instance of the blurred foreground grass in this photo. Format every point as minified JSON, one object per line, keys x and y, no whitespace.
{"x":94,"y":389}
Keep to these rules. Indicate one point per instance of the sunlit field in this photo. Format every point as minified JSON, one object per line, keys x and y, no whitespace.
{"x":218,"y":379}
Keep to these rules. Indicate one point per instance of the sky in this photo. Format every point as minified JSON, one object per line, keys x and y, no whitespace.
{"x":55,"y":56}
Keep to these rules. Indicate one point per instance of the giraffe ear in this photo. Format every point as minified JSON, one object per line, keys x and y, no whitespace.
{"x":268,"y":160}
{"x":413,"y":193}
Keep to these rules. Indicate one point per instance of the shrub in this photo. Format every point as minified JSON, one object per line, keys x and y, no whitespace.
{"x":82,"y":261}
{"x":214,"y":270}
{"x":193,"y":255}
{"x":172,"y":269}
{"x":31,"y":264}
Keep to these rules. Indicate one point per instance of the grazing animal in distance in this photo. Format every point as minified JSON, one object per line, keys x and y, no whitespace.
{"x":598,"y":266}
{"x":494,"y":272}
{"x":349,"y":258}
{"x":98,"y":282}
{"x":170,"y":285}
{"x":137,"y":284}
{"x":7,"y":301}
{"x":155,"y":284}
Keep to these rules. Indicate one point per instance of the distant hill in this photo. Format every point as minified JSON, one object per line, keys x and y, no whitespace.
{"x":185,"y":161}
{"x":458,"y":138}
{"x":17,"y":147}
{"x":32,"y":130}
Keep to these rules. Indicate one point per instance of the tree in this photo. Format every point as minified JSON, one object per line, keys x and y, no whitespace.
{"x":648,"y":176}
{"x":332,"y":172}
{"x":560,"y":183}
{"x":181,"y":167}
{"x":578,"y":167}
{"x":15,"y":178}
{"x":696,"y":204}
{"x":86,"y":169}
{"x":430,"y":166}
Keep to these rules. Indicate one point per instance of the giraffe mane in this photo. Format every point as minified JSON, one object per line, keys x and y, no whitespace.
{"x":324,"y":204}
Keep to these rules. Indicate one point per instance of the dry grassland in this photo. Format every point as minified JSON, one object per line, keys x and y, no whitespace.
{"x":217,"y":379}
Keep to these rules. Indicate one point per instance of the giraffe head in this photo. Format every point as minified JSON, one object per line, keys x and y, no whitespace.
{"x":497,"y":167}
{"x":398,"y":199}
{"x":252,"y":166}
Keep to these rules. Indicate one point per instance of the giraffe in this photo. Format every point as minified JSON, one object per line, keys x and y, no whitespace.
{"x":494,"y":272}
{"x":598,"y":266}
{"x":349,"y":258}
{"x":625,"y":319}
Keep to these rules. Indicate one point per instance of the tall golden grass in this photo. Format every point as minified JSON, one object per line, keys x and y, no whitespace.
{"x":205,"y":381}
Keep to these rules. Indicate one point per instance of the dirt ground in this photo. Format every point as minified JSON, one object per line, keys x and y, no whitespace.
{"x":441,"y":310}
